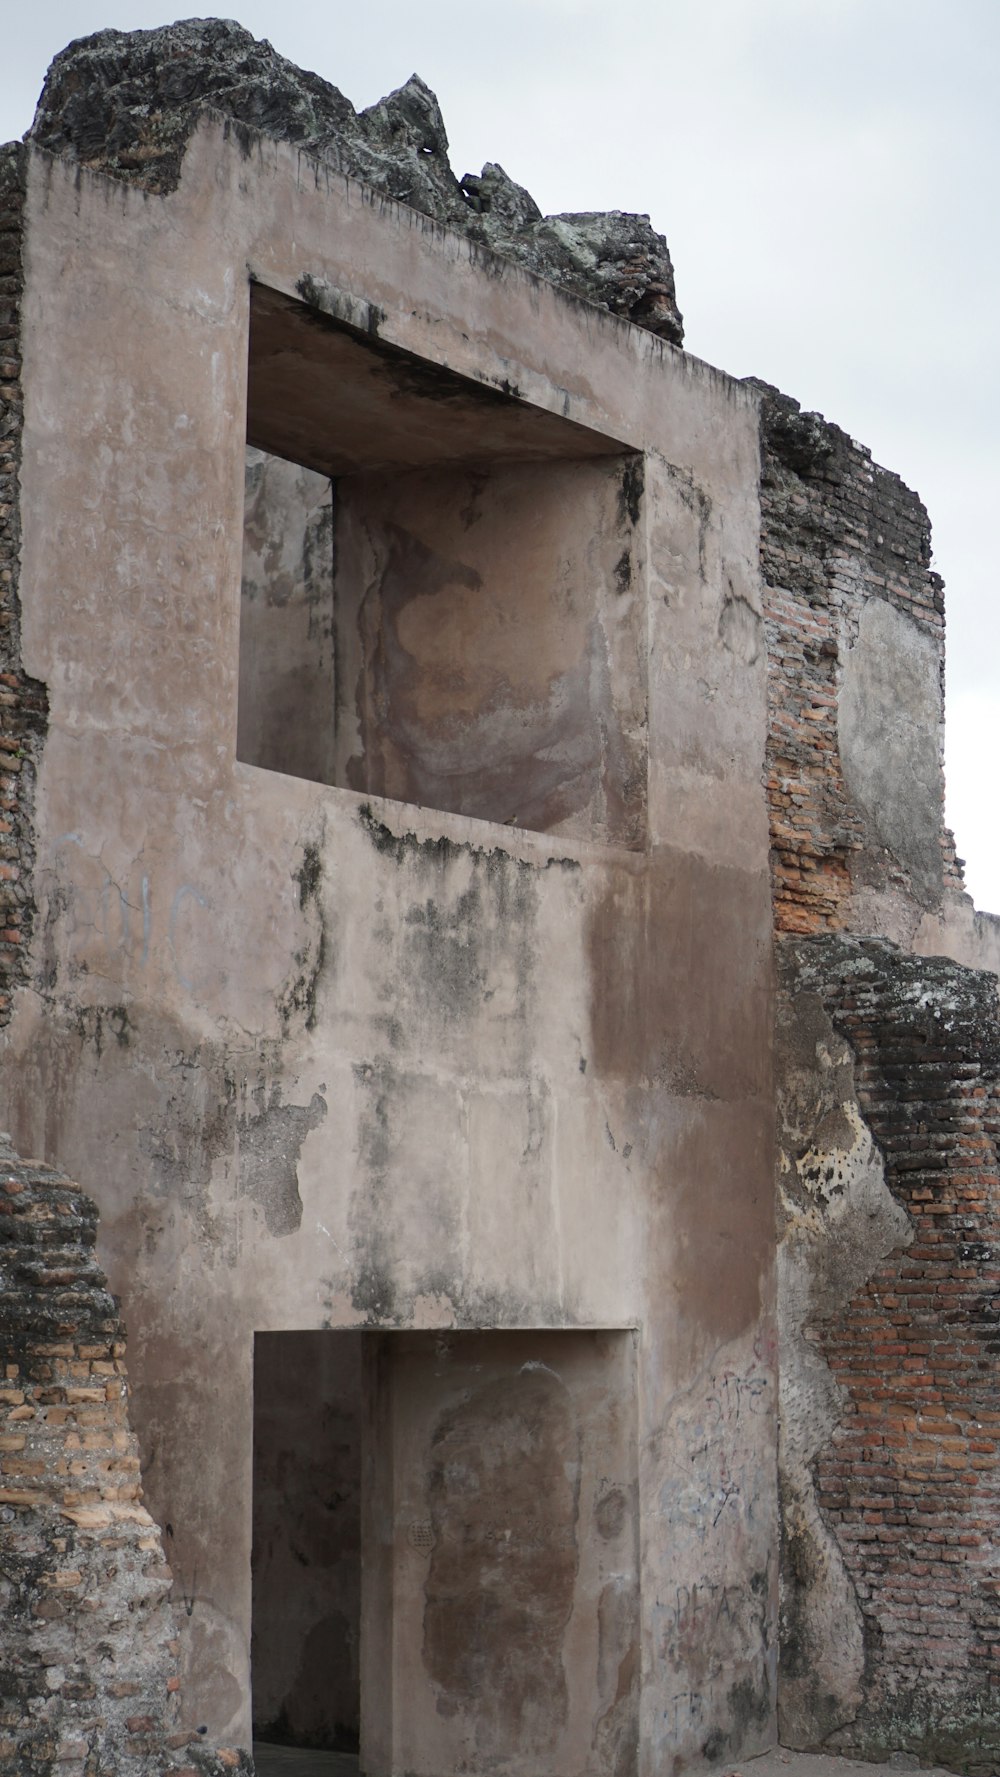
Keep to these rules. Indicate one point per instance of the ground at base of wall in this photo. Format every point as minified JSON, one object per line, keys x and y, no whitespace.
{"x":783,"y":1763}
{"x":301,"y":1761}
{"x":293,"y":1761}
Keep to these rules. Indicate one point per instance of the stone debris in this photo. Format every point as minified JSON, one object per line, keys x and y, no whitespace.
{"x":88,"y":1658}
{"x":125,"y":103}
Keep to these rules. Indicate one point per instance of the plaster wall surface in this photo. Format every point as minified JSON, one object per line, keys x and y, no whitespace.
{"x":368,"y":1064}
{"x":491,"y":645}
{"x":286,"y":620}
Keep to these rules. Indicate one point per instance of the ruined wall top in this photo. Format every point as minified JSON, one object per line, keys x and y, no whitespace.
{"x":125,"y":103}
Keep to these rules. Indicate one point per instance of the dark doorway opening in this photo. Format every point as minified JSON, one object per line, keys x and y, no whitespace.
{"x":306,"y":1560}
{"x":445,"y":1553}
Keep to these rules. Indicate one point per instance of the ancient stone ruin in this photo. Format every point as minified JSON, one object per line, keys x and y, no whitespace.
{"x":479,"y":927}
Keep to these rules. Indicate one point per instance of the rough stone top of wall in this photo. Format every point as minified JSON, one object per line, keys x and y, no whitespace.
{"x":125,"y":102}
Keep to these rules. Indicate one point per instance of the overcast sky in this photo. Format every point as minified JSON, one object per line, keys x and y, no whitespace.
{"x":825,"y":172}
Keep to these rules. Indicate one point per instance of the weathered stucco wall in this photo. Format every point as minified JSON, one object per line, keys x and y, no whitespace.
{"x":506,"y":1625}
{"x":334,"y":1062}
{"x":491,"y":650}
{"x":481,"y":1078}
{"x":286,"y":686}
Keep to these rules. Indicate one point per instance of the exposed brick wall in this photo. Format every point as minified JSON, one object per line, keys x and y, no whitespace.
{"x":87,"y":1681}
{"x":910,"y":1482}
{"x":836,"y":531}
{"x":23,"y":704}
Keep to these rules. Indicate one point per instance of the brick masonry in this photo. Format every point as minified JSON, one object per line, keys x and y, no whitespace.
{"x":23,"y":701}
{"x":908,"y":1482}
{"x":888,"y":1169}
{"x":87,"y":1662}
{"x":836,"y":531}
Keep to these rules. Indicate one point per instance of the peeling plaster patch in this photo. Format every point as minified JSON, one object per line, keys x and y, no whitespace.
{"x":401,"y":846}
{"x":888,"y":722}
{"x":270,"y":1142}
{"x":740,"y":628}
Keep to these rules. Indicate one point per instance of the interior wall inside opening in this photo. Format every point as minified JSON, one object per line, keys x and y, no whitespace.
{"x":443,"y":593}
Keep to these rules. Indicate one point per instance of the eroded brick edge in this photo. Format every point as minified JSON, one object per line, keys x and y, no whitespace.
{"x":23,"y":700}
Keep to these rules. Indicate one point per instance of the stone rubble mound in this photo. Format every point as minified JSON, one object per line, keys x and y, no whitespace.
{"x":125,"y":102}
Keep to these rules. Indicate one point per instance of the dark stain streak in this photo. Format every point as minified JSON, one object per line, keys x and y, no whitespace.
{"x":301,"y":993}
{"x":308,"y":875}
{"x":623,"y":572}
{"x":633,"y":485}
{"x":497,"y":1607}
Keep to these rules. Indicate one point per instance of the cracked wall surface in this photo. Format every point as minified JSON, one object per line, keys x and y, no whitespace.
{"x":331,"y":1060}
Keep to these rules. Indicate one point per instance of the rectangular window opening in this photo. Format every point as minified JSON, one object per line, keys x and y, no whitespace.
{"x":443,"y":596}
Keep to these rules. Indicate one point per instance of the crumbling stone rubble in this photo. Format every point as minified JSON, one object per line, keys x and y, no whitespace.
{"x":125,"y":103}
{"x":23,"y":701}
{"x":88,"y":1656}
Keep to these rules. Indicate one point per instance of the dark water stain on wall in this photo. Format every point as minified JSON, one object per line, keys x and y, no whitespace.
{"x":676,"y":971}
{"x":499,"y":1592}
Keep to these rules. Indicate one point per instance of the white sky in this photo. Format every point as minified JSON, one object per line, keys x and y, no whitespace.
{"x":825,"y":172}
